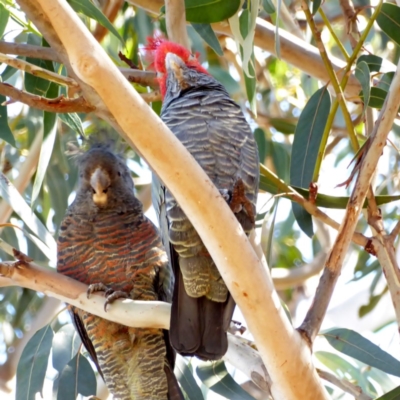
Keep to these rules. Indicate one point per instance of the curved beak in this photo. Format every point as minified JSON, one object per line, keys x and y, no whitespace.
{"x":175,"y":65}
{"x":100,"y":182}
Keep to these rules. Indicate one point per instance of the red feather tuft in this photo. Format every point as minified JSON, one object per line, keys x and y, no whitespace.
{"x":158,"y":47}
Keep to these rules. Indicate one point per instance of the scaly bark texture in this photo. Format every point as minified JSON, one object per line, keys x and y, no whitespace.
{"x":199,"y":111}
{"x":105,"y":241}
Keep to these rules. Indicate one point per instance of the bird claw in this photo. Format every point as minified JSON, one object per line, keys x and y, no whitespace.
{"x":96,"y":287}
{"x":239,"y":200}
{"x":112,"y":296}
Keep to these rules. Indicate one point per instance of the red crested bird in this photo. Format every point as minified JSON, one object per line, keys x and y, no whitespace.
{"x":212,"y":127}
{"x":106,"y":242}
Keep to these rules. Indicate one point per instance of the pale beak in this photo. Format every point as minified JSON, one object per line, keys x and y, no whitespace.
{"x":175,"y":65}
{"x":100,"y":182}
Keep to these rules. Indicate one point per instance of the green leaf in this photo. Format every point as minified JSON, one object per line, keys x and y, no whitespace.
{"x":186,"y":379}
{"x":268,"y":6}
{"x":66,"y":343}
{"x":210,"y":11}
{"x":385,"y":81}
{"x":392,"y":395}
{"x":377,"y":97}
{"x":73,"y":121}
{"x":5,"y":131}
{"x":259,"y":136}
{"x":354,"y":345}
{"x":208,"y":35}
{"x":283,"y":125}
{"x":389,"y":21}
{"x":33,"y":84}
{"x":32,"y":366}
{"x":77,"y":378}
{"x":374,"y":62}
{"x":4,"y":15}
{"x":363,"y":75}
{"x":11,"y":195}
{"x":49,"y":137}
{"x":372,"y":303}
{"x":306,"y":143}
{"x":86,"y":7}
{"x":315,"y":6}
{"x":250,"y":83}
{"x":215,"y":376}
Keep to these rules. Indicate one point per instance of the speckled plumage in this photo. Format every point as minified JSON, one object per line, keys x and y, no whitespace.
{"x":105,"y":238}
{"x":201,"y":114}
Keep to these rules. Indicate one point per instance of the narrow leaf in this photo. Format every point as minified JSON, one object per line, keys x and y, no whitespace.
{"x":216,"y":377}
{"x":392,"y":395}
{"x":11,"y":195}
{"x":86,"y":7}
{"x":73,"y":121}
{"x":268,"y":6}
{"x":49,"y":136}
{"x":5,"y":131}
{"x":306,"y":143}
{"x":389,"y":21}
{"x":186,"y":379}
{"x":315,"y":6}
{"x":208,"y":35}
{"x":32,"y":366}
{"x":4,"y":14}
{"x":77,"y":378}
{"x":363,"y":75}
{"x":354,"y":345}
{"x":207,"y":12}
{"x":66,"y":343}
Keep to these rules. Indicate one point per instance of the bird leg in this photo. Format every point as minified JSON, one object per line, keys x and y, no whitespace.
{"x":239,"y":200}
{"x":109,"y":293}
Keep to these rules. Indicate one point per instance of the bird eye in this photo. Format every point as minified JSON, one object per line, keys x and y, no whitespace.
{"x":119,"y":173}
{"x":105,"y":190}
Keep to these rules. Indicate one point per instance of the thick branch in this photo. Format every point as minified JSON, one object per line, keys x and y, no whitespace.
{"x":315,"y":315}
{"x":227,"y":243}
{"x":57,"y":105}
{"x":138,"y":314}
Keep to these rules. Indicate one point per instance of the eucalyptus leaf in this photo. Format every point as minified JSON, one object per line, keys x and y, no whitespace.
{"x":306,"y":145}
{"x":208,"y":35}
{"x":4,"y":15}
{"x":363,"y":75}
{"x":215,"y":376}
{"x":32,"y":365}
{"x":354,"y":345}
{"x":5,"y":131}
{"x":186,"y":379}
{"x":210,"y":11}
{"x":389,"y":21}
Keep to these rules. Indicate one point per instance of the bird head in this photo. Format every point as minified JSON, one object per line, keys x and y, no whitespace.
{"x":176,"y":67}
{"x":105,"y":181}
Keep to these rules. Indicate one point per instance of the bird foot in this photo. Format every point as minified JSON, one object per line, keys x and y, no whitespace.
{"x":239,"y":200}
{"x":109,"y":293}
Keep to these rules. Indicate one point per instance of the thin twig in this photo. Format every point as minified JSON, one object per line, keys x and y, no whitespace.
{"x":110,"y":11}
{"x":60,"y":104}
{"x":38,"y":71}
{"x":29,"y":50}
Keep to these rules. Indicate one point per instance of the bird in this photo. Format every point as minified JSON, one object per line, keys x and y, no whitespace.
{"x":106,"y":242}
{"x":199,"y":111}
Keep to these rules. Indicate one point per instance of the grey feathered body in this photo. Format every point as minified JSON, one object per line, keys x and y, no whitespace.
{"x":213,"y":129}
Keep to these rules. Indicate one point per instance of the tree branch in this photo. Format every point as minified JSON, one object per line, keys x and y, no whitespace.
{"x":227,"y":243}
{"x":175,"y":16}
{"x":369,"y":161}
{"x":60,"y":104}
{"x":29,"y":50}
{"x":137,"y":314}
